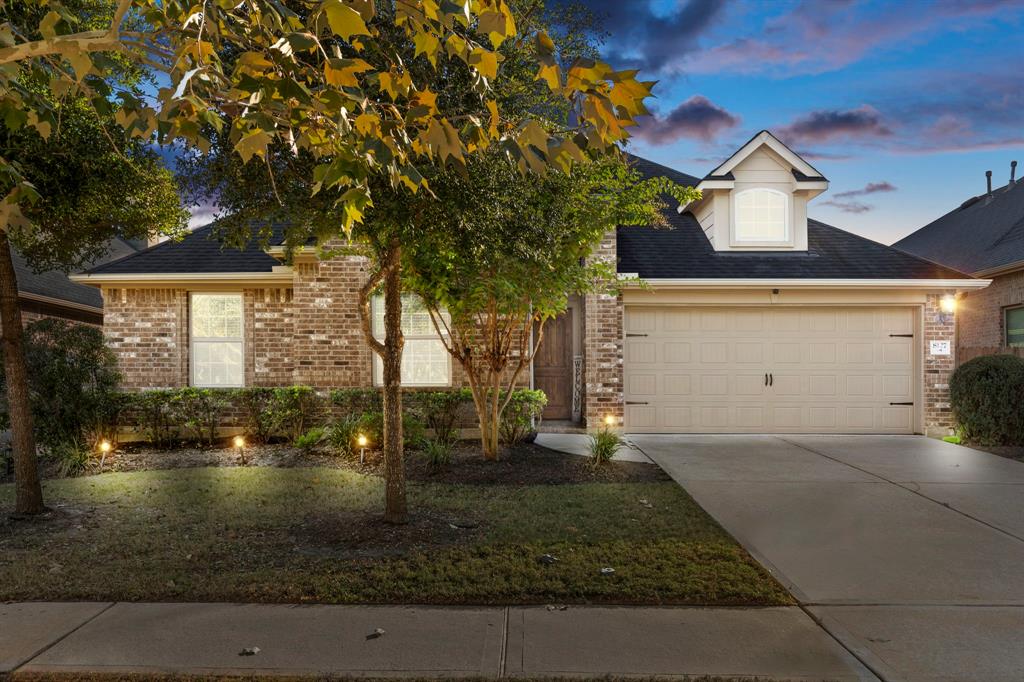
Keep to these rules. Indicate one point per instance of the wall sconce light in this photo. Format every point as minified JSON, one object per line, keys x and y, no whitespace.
{"x":240,"y":446}
{"x":610,"y":420}
{"x":362,"y":441}
{"x":947,"y":307}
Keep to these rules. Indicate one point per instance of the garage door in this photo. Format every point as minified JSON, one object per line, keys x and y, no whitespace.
{"x":784,"y":370}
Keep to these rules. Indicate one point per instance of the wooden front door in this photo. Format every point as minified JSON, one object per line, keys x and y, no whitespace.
{"x":552,"y":367}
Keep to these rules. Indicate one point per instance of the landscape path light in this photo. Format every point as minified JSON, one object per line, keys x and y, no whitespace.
{"x":362,"y":441}
{"x":240,"y":446}
{"x":105,"y":448}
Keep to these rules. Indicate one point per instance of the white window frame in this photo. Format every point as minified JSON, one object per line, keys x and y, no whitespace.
{"x":213,"y":339}
{"x":1006,"y":324}
{"x":377,"y":364}
{"x":787,"y":220}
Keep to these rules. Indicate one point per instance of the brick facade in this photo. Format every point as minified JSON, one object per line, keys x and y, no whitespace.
{"x":602,"y":349}
{"x":980,"y":313}
{"x":938,"y":418}
{"x":148,"y":331}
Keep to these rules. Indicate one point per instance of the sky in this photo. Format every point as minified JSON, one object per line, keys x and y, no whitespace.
{"x":902,"y":105}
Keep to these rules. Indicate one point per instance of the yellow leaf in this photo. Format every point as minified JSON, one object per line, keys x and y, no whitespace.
{"x":48,"y":25}
{"x":368,"y":125}
{"x":428,"y":44}
{"x":343,"y":20}
{"x":492,"y":107}
{"x":533,"y":134}
{"x":81,"y":62}
{"x":343,"y":72}
{"x":493,"y":25}
{"x":253,"y":144}
{"x":427,"y":99}
{"x":485,"y":61}
{"x":550,"y":74}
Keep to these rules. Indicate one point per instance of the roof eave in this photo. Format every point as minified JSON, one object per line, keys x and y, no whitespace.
{"x":806,"y":283}
{"x":1000,"y":269}
{"x":279,"y":275}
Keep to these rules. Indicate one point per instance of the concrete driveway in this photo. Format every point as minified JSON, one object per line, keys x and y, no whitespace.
{"x":908,"y":550}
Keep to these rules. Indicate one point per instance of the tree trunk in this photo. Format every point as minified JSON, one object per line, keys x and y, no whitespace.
{"x":28,"y":492}
{"x":395,"y":508}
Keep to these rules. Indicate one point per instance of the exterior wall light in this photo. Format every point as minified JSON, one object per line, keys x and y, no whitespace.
{"x":947,"y":304}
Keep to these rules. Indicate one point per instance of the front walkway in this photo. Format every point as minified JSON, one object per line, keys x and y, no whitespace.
{"x":907,"y":549}
{"x":253,"y":639}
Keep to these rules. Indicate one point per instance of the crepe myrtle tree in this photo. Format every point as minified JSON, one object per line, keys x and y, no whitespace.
{"x":374,"y":95}
{"x":73,"y":179}
{"x":500,"y":253}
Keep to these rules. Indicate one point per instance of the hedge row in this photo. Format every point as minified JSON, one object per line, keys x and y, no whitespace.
{"x":987,"y":398}
{"x":301,"y":415}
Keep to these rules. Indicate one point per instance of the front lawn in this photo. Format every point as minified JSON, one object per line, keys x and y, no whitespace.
{"x":313,"y":534}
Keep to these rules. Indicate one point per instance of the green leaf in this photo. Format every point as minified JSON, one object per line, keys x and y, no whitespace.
{"x":253,"y":144}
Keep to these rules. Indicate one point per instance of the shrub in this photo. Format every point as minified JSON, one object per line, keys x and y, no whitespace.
{"x":198,"y":412}
{"x":439,"y":411}
{"x":72,"y":458}
{"x":356,"y":401}
{"x":256,"y":405}
{"x":603,"y":445}
{"x":371,"y":424}
{"x":72,"y":375}
{"x":294,"y":410}
{"x":522,"y":415}
{"x":438,"y":453}
{"x":342,"y":435}
{"x":156,"y":417}
{"x":986,"y":395}
{"x":309,"y":441}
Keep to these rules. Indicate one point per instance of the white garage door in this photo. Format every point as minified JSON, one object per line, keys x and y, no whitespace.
{"x":769,"y":369}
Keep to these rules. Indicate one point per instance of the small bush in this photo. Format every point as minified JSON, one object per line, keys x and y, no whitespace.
{"x":440,"y":411}
{"x":310,"y":440}
{"x":356,"y":401}
{"x":294,"y":411}
{"x":604,"y":444}
{"x":72,"y":376}
{"x":986,"y":395}
{"x":198,"y":412}
{"x":256,"y":405}
{"x":371,"y":424}
{"x":343,"y":434}
{"x":72,"y":458}
{"x":156,"y":417}
{"x":438,"y":453}
{"x":522,"y":415}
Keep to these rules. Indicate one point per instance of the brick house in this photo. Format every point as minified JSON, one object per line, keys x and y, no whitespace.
{"x":753,"y":318}
{"x":985,"y":237}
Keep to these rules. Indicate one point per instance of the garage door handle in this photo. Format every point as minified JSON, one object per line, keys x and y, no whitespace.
{"x":635,"y":402}
{"x":628,"y":336}
{"x":901,"y":336}
{"x":766,"y":378}
{"x":771,"y":379}
{"x":901,"y":403}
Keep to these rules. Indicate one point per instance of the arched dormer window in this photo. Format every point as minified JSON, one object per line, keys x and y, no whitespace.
{"x":761,"y":217}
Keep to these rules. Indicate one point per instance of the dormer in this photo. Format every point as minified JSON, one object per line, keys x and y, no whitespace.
{"x":757,"y":199}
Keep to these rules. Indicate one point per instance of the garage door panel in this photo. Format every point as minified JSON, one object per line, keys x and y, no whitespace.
{"x":832,"y":369}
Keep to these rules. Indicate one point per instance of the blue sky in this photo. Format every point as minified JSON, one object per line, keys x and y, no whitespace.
{"x":903,"y":105}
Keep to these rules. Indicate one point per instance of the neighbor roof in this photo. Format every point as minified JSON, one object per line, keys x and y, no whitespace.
{"x":198,"y":251}
{"x":984,"y":233}
{"x":55,"y":284}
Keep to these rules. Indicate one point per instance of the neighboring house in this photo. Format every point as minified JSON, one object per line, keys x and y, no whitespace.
{"x":52,"y":294}
{"x":985,"y":237}
{"x":754,"y":319}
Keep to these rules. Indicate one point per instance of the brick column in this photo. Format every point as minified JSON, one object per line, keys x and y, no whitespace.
{"x":602,"y":348}
{"x":938,"y":418}
{"x":270,"y":325}
{"x":148,"y":331}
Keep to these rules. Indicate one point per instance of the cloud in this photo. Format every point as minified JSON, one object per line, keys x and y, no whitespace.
{"x":848,"y":206}
{"x":697,"y":117}
{"x":846,"y":201}
{"x":641,"y":38}
{"x":827,"y":124}
{"x":870,"y":188}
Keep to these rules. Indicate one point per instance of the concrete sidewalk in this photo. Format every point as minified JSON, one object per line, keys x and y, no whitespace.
{"x":443,"y":642}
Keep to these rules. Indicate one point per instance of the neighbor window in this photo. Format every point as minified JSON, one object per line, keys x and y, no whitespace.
{"x":425,"y":361}
{"x":761,"y":216}
{"x":1015,"y":327}
{"x":216,"y":340}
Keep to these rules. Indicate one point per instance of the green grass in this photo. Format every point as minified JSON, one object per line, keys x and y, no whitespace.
{"x":294,"y":535}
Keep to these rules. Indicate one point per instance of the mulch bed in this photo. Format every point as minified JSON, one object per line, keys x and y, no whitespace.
{"x":1015,"y":452}
{"x":524,"y":464}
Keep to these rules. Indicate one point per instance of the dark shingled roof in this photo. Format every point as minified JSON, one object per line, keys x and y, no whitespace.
{"x":680,"y":252}
{"x":685,"y":252}
{"x":199,"y":251}
{"x":984,"y":232}
{"x":55,"y":284}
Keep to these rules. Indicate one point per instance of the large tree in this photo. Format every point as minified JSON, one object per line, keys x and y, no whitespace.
{"x":78,"y":180}
{"x":499,"y":254}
